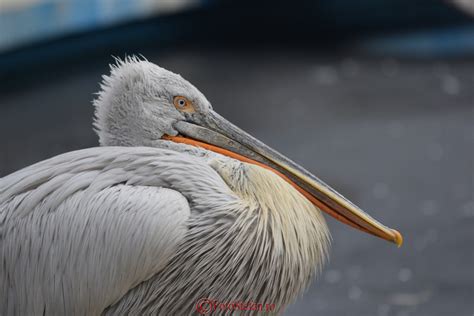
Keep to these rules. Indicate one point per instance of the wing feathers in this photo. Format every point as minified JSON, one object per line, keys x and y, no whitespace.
{"x":77,"y":233}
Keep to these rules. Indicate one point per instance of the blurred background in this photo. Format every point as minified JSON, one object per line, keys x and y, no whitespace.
{"x":373,"y":96}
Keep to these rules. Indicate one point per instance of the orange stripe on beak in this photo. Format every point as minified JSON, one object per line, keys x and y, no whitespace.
{"x":184,"y":140}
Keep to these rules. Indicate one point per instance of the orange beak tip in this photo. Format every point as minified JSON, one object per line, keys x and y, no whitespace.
{"x":398,"y":238}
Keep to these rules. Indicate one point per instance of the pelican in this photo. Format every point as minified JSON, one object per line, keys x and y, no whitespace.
{"x":177,"y":206}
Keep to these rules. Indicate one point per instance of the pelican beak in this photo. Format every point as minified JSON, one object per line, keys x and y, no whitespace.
{"x":215,"y":133}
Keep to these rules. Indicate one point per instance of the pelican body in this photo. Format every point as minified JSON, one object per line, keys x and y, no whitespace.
{"x":178,"y":205}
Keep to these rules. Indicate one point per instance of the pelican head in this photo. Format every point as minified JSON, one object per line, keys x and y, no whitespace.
{"x":141,"y":103}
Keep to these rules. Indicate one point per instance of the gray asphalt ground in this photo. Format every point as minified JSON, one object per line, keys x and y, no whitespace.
{"x":396,"y":137}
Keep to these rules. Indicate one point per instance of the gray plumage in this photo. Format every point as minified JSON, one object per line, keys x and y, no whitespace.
{"x":134,"y":230}
{"x":135,"y":104}
{"x":142,"y":230}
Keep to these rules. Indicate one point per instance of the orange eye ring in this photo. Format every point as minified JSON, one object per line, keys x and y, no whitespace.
{"x":183,"y":104}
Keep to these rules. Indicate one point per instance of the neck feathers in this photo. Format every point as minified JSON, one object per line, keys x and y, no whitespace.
{"x":264,"y":247}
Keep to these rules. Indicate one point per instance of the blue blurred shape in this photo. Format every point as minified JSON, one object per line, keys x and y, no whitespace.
{"x":447,"y":42}
{"x":24,"y":21}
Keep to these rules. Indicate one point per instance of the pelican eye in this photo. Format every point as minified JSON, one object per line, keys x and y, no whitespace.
{"x":183,"y":104}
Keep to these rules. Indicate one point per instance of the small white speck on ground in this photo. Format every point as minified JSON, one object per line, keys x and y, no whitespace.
{"x":354,"y":293}
{"x":383,"y":310}
{"x":380,"y":190}
{"x":428,"y":238}
{"x":450,"y":84}
{"x":410,"y":299}
{"x":429,"y":207}
{"x":468,"y":209}
{"x":324,"y":75}
{"x":404,"y":275}
{"x":332,"y":276}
